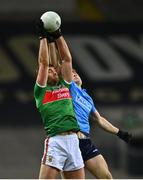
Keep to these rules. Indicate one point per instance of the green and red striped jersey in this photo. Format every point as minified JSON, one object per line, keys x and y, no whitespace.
{"x":55,"y":106}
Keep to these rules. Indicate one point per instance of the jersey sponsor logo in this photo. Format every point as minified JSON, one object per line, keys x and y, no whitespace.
{"x":83,"y":102}
{"x":49,"y":158}
{"x":51,"y":96}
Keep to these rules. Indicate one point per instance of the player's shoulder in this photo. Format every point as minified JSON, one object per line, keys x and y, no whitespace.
{"x":39,"y":85}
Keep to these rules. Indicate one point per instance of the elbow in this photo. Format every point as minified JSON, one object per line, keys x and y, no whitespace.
{"x":43,"y":61}
{"x":100,"y":120}
{"x":68,"y":59}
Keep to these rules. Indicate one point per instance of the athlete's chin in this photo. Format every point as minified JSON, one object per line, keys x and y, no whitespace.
{"x":55,"y":78}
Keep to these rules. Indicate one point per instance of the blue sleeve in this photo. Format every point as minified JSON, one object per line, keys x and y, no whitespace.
{"x":93,"y":109}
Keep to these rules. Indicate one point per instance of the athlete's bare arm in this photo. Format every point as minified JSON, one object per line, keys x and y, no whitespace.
{"x":66,"y":64}
{"x":43,"y":60}
{"x":104,"y":124}
{"x":107,"y":126}
{"x":53,"y":55}
{"x":55,"y":59}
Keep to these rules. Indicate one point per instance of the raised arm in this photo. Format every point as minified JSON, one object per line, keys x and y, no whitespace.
{"x":65,"y":56}
{"x":66,"y":59}
{"x":43,"y":60}
{"x":104,"y":124}
{"x":107,"y":126}
{"x":53,"y":55}
{"x":55,"y":59}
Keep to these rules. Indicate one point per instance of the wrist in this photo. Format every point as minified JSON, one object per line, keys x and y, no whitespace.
{"x":119,"y":132}
{"x":41,"y":37}
{"x":56,"y":34}
{"x":124,"y":136}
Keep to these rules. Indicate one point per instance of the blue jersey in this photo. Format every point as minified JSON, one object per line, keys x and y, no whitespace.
{"x":83,"y":106}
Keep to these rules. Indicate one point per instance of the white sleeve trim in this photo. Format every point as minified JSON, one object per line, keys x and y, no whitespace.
{"x":68,"y":82}
{"x":40,"y":85}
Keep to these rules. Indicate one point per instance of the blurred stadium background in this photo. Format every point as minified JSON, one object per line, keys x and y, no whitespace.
{"x":106,"y":40}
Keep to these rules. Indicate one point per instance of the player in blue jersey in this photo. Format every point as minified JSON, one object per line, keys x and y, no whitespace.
{"x":84,"y":107}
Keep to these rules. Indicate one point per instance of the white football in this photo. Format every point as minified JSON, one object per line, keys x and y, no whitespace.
{"x":51,"y":20}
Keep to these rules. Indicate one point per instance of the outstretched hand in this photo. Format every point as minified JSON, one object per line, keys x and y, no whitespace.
{"x":42,"y":33}
{"x":56,"y":34}
{"x":127,"y":137}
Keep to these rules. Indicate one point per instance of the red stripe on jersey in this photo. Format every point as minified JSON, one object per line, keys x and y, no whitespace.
{"x":45,"y":151}
{"x":55,"y":95}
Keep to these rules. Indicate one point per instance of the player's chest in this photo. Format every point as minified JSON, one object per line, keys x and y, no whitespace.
{"x":56,"y":95}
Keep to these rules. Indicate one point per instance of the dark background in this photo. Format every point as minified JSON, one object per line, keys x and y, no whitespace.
{"x":106,"y":42}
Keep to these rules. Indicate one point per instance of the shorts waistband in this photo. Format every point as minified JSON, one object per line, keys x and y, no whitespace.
{"x":82,"y":135}
{"x":67,"y":133}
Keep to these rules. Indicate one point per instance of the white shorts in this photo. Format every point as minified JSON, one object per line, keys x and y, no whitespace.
{"x":63,"y":153}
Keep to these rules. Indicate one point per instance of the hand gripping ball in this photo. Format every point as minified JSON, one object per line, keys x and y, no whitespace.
{"x":51,"y":20}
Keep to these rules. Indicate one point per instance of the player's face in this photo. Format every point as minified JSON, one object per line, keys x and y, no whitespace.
{"x":53,"y":77}
{"x":76,"y":78}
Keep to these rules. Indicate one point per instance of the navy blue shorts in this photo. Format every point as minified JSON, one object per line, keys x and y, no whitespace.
{"x":88,"y":149}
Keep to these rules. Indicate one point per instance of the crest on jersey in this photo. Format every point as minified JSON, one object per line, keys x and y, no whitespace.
{"x":49,"y":158}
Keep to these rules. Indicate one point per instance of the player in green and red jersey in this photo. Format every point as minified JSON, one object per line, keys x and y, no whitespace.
{"x":54,"y":103}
